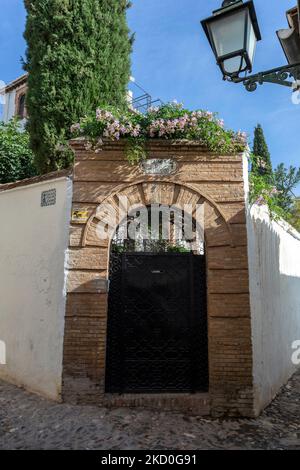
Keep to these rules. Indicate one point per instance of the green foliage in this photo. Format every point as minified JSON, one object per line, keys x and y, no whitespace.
{"x":177,"y":249}
{"x":135,"y":149}
{"x":285,"y":180}
{"x":276,"y":192}
{"x":78,"y":55}
{"x":263,"y":193}
{"x":170,"y":121}
{"x":162,"y":246}
{"x":272,"y":188}
{"x":295,"y":218}
{"x":208,"y":129}
{"x":261,"y":162}
{"x":16,"y":158}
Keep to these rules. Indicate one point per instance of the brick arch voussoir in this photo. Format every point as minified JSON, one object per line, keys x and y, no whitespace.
{"x":138,"y":194}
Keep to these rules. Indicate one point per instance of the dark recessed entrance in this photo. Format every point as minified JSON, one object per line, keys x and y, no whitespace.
{"x":157,"y":323}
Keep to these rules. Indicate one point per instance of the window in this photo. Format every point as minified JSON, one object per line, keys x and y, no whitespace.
{"x":21,"y":107}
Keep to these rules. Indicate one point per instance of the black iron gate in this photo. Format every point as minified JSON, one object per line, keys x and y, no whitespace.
{"x":157,"y":324}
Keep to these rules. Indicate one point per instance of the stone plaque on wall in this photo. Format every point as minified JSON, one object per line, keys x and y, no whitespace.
{"x":158,"y":166}
{"x":48,"y":198}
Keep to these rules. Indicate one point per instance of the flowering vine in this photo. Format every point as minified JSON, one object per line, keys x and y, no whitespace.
{"x":169,"y":121}
{"x":264,"y":193}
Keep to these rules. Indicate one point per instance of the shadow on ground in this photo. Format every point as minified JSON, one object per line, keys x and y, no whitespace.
{"x":30,"y":422}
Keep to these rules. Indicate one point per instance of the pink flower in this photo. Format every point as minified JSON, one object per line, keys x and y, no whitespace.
{"x":136,"y":131}
{"x":260,"y":201}
{"x":209,"y":115}
{"x":242,"y":137}
{"x":153,"y":109}
{"x":274,"y":191}
{"x":75,"y":128}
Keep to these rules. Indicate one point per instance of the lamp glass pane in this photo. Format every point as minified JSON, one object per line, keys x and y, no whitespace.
{"x":251,"y":40}
{"x":234,"y":65}
{"x":228,"y":33}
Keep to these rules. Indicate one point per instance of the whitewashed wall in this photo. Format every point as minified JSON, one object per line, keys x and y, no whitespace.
{"x":274,"y":264}
{"x":33,"y":243}
{"x":9,"y":107}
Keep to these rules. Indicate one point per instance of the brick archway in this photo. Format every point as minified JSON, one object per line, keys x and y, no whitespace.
{"x":145,"y":193}
{"x":215,"y":182}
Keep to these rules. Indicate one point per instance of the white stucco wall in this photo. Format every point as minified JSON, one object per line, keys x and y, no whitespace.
{"x":274,"y":267}
{"x":9,"y":106}
{"x":33,"y":243}
{"x":9,"y":109}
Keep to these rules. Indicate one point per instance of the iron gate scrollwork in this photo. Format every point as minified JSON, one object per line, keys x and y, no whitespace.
{"x":157,"y":323}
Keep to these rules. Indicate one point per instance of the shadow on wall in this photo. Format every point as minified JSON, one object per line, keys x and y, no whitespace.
{"x":274,"y":269}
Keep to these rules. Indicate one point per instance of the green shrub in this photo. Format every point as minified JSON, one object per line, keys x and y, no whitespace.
{"x":263,"y":193}
{"x":16,"y":158}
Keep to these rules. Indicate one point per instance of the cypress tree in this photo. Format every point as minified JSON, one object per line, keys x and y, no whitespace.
{"x":78,"y":57}
{"x":262,"y":164}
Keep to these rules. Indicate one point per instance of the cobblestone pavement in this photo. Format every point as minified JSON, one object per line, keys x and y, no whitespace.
{"x":30,"y":422}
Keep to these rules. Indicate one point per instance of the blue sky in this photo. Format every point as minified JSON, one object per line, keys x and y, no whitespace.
{"x":172,"y":60}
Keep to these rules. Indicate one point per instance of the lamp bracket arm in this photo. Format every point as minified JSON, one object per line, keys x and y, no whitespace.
{"x":286,"y":76}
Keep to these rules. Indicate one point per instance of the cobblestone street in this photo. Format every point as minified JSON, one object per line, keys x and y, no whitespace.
{"x":30,"y":422}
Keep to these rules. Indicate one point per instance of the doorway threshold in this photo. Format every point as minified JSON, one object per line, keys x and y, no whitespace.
{"x":194,"y":404}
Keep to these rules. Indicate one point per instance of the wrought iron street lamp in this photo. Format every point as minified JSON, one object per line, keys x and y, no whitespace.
{"x":233,"y":33}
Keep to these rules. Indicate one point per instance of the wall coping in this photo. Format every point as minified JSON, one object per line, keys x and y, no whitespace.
{"x":262,"y":213}
{"x":16,"y":83}
{"x":37,"y":179}
{"x":167,"y":144}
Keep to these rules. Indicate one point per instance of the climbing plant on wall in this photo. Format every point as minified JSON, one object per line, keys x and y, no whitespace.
{"x":169,"y":121}
{"x":273,"y":188}
{"x":295,"y":219}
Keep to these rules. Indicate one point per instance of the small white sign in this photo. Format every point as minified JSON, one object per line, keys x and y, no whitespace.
{"x":158,"y":166}
{"x":2,"y":353}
